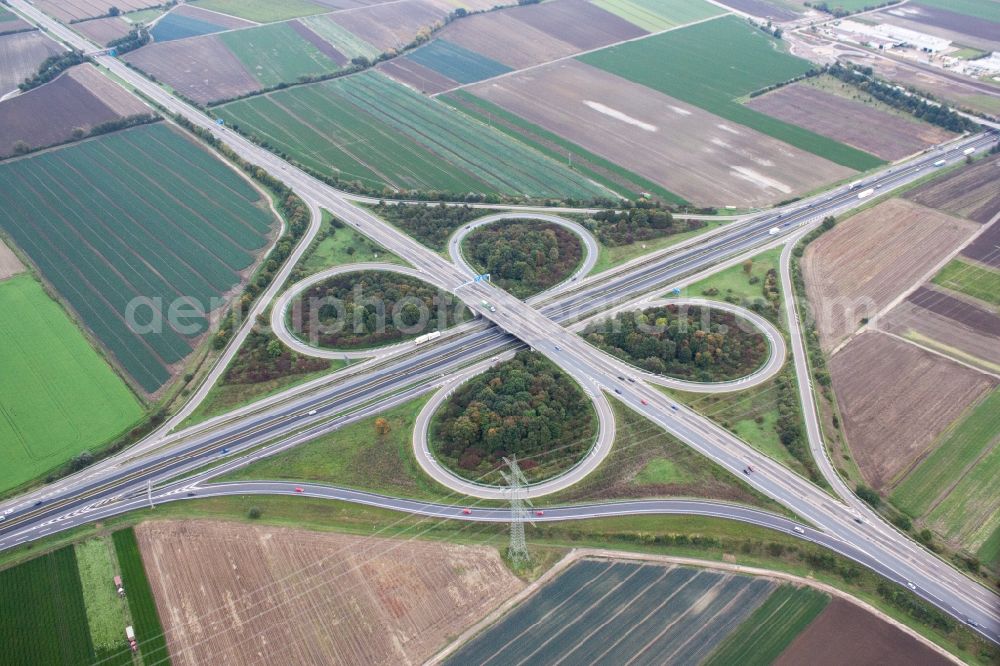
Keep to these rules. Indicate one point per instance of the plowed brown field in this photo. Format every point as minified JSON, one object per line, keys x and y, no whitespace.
{"x":896,"y":399}
{"x":695,"y":154}
{"x":973,"y":193}
{"x":858,"y":268}
{"x":201,"y":68}
{"x":231,"y":593}
{"x":21,"y":54}
{"x":849,"y":121}
{"x":847,"y":634}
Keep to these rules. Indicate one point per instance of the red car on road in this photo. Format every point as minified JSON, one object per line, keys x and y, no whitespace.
{"x":466,"y":511}
{"x":298,"y":489}
{"x":539,"y":513}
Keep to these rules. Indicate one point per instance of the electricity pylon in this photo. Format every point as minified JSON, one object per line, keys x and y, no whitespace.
{"x":517,"y":489}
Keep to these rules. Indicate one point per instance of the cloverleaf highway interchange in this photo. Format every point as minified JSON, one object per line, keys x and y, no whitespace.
{"x":178,"y":462}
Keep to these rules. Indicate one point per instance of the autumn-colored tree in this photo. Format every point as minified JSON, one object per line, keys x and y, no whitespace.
{"x":748,"y":266}
{"x":382,"y":427}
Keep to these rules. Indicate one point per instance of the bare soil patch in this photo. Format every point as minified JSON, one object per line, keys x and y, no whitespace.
{"x":693,"y":153}
{"x":324,"y":47}
{"x":103,"y":30}
{"x":415,"y":75}
{"x":972,"y":192}
{"x":391,"y":26}
{"x":856,"y":269}
{"x":234,"y":593}
{"x":848,"y":121}
{"x":577,"y":22}
{"x":75,"y":10}
{"x":962,"y":311}
{"x":984,"y":248}
{"x":49,"y":115}
{"x":908,"y":318}
{"x":846,"y":634}
{"x":896,"y":399}
{"x":21,"y":54}
{"x":201,"y":68}
{"x":505,"y":38}
{"x":10,"y":265}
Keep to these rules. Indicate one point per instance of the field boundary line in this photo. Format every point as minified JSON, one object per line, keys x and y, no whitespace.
{"x":570,"y":56}
{"x":940,"y":353}
{"x":924,"y":279}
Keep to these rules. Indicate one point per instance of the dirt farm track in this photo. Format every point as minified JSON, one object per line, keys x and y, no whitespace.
{"x":230,"y":593}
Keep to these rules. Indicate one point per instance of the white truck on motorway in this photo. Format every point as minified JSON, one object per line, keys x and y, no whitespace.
{"x":864,"y":194}
{"x":939,"y":163}
{"x":969,"y":150}
{"x":427,"y":337}
{"x":774,"y":231}
{"x":491,"y":308}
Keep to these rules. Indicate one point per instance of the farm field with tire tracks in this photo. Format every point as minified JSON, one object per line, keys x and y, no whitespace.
{"x":181,"y":225}
{"x":370,"y":129}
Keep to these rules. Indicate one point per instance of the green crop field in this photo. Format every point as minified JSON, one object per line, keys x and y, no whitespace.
{"x":772,"y":627}
{"x":616,"y":612}
{"x":971,"y":279}
{"x":656,"y":15}
{"x":42,"y":615}
{"x":369,"y":129}
{"x":970,"y":515}
{"x":276,"y":54}
{"x":58,"y":397}
{"x":142,"y":605}
{"x":134,"y":223}
{"x":340,"y":37}
{"x":263,"y":11}
{"x":959,"y":448}
{"x":457,"y":63}
{"x":106,"y":614}
{"x":714,"y":78}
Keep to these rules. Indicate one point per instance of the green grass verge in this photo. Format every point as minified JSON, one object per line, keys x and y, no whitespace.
{"x":603,"y":171}
{"x":356,"y":457}
{"x":343,"y":246}
{"x":734,"y":282}
{"x":970,"y":279}
{"x":610,"y":256}
{"x":42,"y":615}
{"x":263,"y":11}
{"x":106,"y":615}
{"x":646,"y":461}
{"x":712,"y":78}
{"x":58,"y":396}
{"x":771,"y":628}
{"x":148,"y":630}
